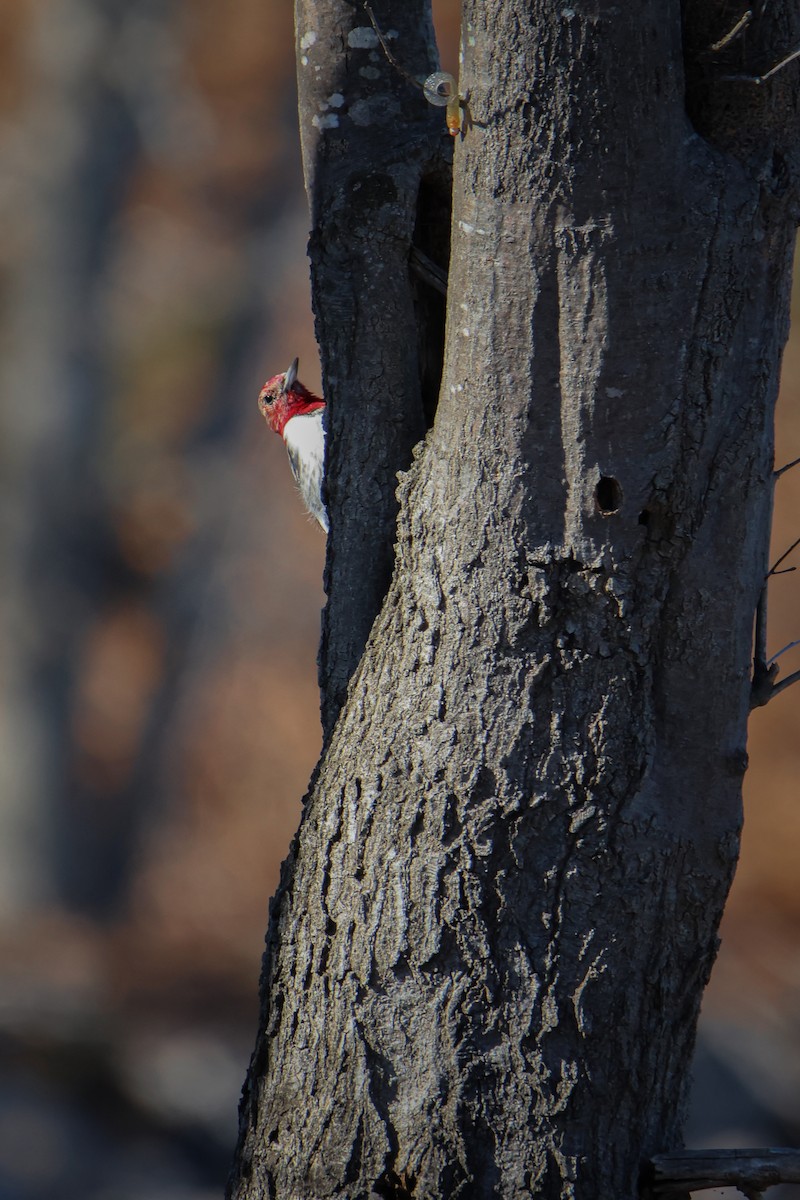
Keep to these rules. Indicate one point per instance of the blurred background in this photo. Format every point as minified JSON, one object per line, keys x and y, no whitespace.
{"x":160,"y":605}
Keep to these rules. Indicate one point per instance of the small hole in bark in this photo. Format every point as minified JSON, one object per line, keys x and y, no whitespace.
{"x":608,"y":495}
{"x":644,"y":517}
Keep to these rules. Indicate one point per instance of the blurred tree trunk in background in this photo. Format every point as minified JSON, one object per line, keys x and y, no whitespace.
{"x":124,"y":382}
{"x":489,"y":946}
{"x":82,"y":142}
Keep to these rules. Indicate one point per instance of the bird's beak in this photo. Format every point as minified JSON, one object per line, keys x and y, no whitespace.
{"x":290,"y":376}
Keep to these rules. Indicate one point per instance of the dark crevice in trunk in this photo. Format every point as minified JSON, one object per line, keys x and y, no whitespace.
{"x":430,"y":262}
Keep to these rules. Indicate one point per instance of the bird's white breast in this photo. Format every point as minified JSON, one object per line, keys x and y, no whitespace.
{"x":304,"y":437}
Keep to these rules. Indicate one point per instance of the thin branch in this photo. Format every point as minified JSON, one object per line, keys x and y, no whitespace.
{"x":765,"y":671}
{"x":385,"y":47}
{"x":695,"y":1170}
{"x":738,"y":28}
{"x":783,"y":63}
{"x":784,"y":684}
{"x":459,"y":118}
{"x":782,"y":470}
{"x":774,"y":568}
{"x":788,"y":646}
{"x":759,"y":79}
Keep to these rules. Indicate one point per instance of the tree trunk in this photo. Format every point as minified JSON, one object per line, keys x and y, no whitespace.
{"x":487,"y":953}
{"x":376,"y":167}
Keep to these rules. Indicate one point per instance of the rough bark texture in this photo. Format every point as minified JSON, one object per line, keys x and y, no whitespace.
{"x":487,"y":953}
{"x":375,"y":158}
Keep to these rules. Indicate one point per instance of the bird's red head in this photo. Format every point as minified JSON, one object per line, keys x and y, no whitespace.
{"x":284,"y":397}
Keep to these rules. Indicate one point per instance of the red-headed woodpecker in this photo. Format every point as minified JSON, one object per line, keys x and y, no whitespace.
{"x":294,"y":412}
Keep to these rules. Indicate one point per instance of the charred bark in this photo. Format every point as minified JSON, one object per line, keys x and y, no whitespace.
{"x":487,"y":953}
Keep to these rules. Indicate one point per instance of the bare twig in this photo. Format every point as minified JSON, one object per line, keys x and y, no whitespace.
{"x":782,"y":470}
{"x":784,"y":684}
{"x":385,"y":47}
{"x":694,"y":1170}
{"x":759,"y":79}
{"x":765,"y":670}
{"x":774,"y":568}
{"x":459,"y":118}
{"x":788,"y":646}
{"x":783,"y":63}
{"x":738,"y":28}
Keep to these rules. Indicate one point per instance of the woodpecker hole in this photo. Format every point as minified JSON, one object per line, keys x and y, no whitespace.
{"x":608,"y":495}
{"x":644,"y":517}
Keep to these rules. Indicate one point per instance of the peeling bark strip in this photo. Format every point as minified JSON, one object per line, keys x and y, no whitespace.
{"x":486,"y":956}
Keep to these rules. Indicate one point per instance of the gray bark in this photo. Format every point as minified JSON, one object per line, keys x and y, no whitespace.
{"x":487,"y":953}
{"x":375,"y":159}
